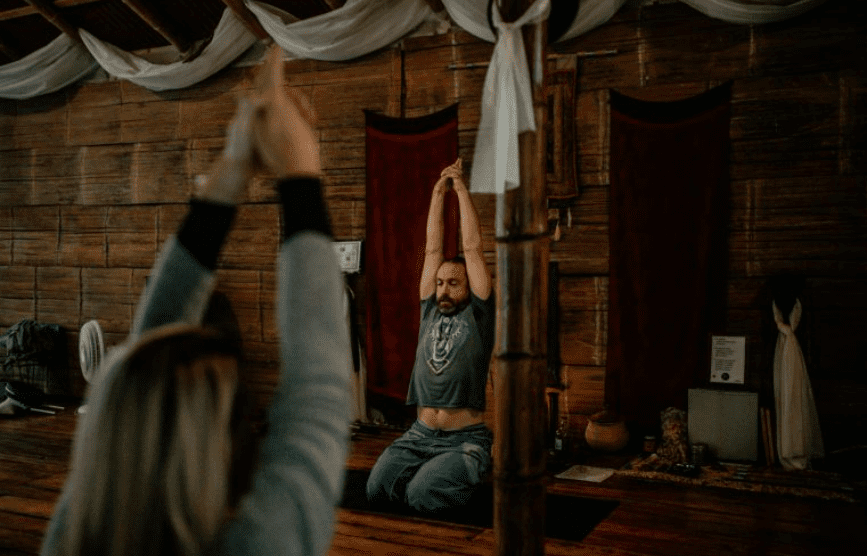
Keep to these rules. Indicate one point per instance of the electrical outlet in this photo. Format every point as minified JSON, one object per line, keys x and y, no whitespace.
{"x":348,"y":255}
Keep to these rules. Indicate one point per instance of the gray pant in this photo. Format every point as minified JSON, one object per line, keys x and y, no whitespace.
{"x":432,"y":470}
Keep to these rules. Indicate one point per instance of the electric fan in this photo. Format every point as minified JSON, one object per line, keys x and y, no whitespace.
{"x":91,"y":350}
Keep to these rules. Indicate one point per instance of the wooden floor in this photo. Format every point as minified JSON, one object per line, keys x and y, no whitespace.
{"x":651,"y":519}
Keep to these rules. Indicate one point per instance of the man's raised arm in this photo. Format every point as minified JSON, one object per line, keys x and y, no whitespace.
{"x":433,"y":250}
{"x":477,"y":270}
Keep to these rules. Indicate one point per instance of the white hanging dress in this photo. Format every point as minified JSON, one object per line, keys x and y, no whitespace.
{"x":799,"y":438}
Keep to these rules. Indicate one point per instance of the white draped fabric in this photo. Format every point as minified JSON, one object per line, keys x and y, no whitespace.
{"x":60,"y":63}
{"x":231,"y":39}
{"x":507,"y":104}
{"x":355,"y":29}
{"x":799,"y":438}
{"x":733,"y":11}
{"x":507,"y":100}
{"x":471,"y":16}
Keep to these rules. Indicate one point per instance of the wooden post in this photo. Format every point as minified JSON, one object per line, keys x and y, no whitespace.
{"x":521,"y":365}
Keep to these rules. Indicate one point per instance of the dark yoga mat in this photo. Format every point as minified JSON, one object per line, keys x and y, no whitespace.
{"x":567,"y":517}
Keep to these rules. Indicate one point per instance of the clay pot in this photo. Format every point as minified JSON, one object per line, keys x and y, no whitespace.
{"x":606,"y":431}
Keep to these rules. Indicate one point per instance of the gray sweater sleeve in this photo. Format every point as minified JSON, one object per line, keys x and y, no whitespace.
{"x":290,"y":509}
{"x":291,"y":506}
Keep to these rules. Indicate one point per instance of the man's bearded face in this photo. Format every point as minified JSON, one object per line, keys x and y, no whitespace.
{"x":453,"y":292}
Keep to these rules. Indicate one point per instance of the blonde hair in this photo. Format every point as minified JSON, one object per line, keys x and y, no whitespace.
{"x":153,"y":456}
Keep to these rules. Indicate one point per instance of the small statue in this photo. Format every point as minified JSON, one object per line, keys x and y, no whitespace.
{"x":674,"y":445}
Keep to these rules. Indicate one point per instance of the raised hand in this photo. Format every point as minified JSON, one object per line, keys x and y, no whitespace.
{"x":455,"y":172}
{"x":286,"y":141}
{"x":232,"y":171}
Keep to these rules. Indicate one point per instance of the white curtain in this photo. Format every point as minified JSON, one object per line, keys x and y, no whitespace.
{"x":231,"y":39}
{"x":355,"y":29}
{"x":799,"y":438}
{"x":747,"y":14}
{"x":51,"y":68}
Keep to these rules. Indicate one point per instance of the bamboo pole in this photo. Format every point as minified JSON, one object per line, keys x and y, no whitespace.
{"x":520,"y":351}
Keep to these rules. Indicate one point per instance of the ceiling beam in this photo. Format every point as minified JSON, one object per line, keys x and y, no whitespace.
{"x":159,"y":24}
{"x":30,"y":10}
{"x":247,"y":18}
{"x":47,"y":10}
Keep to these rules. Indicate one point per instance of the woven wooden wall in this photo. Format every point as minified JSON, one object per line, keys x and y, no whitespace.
{"x":95,"y":177}
{"x":799,"y":187}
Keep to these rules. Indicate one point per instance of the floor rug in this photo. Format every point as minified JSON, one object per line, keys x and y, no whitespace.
{"x":805,"y":484}
{"x":568,"y":518}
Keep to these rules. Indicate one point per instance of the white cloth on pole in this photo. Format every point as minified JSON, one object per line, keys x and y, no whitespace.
{"x":799,"y":438}
{"x":472,"y":16}
{"x":507,"y":105}
{"x":51,"y":68}
{"x":231,"y":39}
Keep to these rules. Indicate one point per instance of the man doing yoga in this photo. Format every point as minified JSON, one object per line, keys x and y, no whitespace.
{"x":437,"y":464}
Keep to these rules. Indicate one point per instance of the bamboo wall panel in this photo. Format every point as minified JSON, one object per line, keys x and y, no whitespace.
{"x":107,"y":296}
{"x":160,"y":173}
{"x":340,"y":146}
{"x":58,"y":294}
{"x":17,"y":300}
{"x":254,"y":225}
{"x":169,"y":218}
{"x":8,"y":112}
{"x":205,"y":117}
{"x":583,"y":249}
{"x":347,"y":219}
{"x":430,"y":84}
{"x":16,"y":177}
{"x":469,"y":69}
{"x":36,"y":230}
{"x":95,"y":125}
{"x":5,"y":234}
{"x":583,"y":320}
{"x":621,"y":65}
{"x":105,"y":175}
{"x":827,"y":38}
{"x":343,"y":184}
{"x":583,"y":292}
{"x":583,"y":337}
{"x":41,"y":122}
{"x":131,"y":233}
{"x":676,"y":47}
{"x":95,"y":94}
{"x":591,"y":209}
{"x":55,"y":176}
{"x":147,"y":122}
{"x":585,"y":389}
{"x":591,"y":139}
